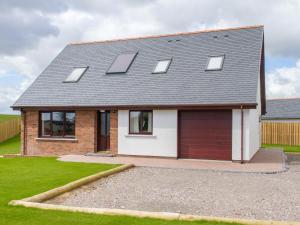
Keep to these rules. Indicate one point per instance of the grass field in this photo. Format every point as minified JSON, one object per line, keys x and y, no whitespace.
{"x":11,"y":146}
{"x":4,"y":117}
{"x":24,"y":177}
{"x":286,"y":148}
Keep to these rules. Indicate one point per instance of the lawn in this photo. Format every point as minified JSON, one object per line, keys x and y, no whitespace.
{"x":24,"y":177}
{"x":11,"y":146}
{"x":4,"y":117}
{"x":286,"y":148}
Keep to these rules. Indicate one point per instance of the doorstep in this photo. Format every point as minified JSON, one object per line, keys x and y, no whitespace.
{"x":264,"y":161}
{"x":101,"y":154}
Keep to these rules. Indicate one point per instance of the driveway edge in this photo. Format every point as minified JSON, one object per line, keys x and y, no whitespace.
{"x":75,"y":184}
{"x":145,"y":214}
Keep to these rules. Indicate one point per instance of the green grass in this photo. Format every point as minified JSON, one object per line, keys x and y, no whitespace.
{"x":4,"y":117}
{"x":11,"y":146}
{"x":24,"y":177}
{"x":286,"y":148}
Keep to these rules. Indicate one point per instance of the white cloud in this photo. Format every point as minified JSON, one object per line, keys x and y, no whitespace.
{"x":77,"y":20}
{"x":284,"y":82}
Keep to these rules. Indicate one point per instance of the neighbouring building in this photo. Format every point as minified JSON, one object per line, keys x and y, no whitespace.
{"x":281,"y":123}
{"x":282,"y":110}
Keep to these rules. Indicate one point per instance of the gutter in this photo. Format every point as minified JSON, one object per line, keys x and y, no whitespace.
{"x":118,"y":107}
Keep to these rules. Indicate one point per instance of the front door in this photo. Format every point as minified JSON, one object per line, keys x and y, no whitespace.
{"x":103,"y":130}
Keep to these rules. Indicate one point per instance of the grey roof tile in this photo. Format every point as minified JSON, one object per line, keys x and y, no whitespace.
{"x":283,"y":109}
{"x":186,"y":81}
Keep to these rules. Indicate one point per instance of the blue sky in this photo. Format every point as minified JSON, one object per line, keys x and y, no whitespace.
{"x":33,"y":32}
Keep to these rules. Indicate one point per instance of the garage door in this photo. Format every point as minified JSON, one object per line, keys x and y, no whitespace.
{"x":205,"y":134}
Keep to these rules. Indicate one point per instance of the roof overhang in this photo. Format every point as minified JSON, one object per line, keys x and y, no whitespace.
{"x":119,"y":107}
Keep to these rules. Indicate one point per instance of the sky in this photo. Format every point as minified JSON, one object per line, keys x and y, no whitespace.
{"x":33,"y":32}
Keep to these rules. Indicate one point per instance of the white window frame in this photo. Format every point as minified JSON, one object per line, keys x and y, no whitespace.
{"x":167,"y":67}
{"x":74,"y":81}
{"x":215,"y":56}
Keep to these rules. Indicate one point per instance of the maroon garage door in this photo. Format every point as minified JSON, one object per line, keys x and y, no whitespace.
{"x":205,"y":134}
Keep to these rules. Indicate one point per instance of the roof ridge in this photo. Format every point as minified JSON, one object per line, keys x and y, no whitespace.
{"x":291,"y":98}
{"x":168,"y":35}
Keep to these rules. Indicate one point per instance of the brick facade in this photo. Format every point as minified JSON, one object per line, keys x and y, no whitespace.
{"x":114,"y":132}
{"x":84,"y":132}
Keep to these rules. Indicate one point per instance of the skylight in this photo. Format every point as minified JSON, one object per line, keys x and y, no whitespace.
{"x":122,"y":63}
{"x":76,"y":74}
{"x":215,"y":63}
{"x":162,"y":66}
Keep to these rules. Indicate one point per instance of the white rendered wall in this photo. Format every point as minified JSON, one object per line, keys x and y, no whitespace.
{"x":251,"y":136}
{"x":163,"y":142}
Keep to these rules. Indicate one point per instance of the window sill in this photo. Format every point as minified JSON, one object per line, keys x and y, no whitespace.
{"x":57,"y":139}
{"x":141,"y":135}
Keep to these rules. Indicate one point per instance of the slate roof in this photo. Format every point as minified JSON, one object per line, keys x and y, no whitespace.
{"x":185,"y":83}
{"x":282,"y":109}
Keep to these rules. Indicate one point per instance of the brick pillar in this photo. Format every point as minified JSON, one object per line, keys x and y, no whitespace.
{"x":22,"y":150}
{"x":114,"y":131}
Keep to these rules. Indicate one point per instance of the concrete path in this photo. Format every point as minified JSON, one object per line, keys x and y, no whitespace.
{"x":265,"y":161}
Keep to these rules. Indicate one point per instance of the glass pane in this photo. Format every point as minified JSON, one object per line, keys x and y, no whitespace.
{"x":146,"y":122}
{"x":76,"y":74}
{"x":215,"y":63}
{"x":134,"y":122}
{"x":150,"y":122}
{"x":103,"y":123}
{"x":162,"y":66}
{"x":58,"y":123}
{"x":107,"y":123}
{"x":46,"y":124}
{"x":70,"y":124}
{"x":121,"y":63}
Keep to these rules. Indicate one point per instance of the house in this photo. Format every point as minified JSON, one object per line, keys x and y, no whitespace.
{"x":192,"y":95}
{"x":282,"y":110}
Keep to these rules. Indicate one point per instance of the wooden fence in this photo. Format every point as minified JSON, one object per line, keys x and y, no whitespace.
{"x":9,"y":128}
{"x":285,"y":133}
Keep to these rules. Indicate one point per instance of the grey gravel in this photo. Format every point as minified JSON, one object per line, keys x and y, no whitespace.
{"x":207,"y":193}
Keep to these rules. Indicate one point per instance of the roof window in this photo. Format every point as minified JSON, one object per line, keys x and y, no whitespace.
{"x":121,"y":63}
{"x":215,"y":62}
{"x":76,"y":74}
{"x":162,"y":66}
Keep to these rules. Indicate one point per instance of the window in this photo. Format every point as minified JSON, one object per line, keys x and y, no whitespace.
{"x":140,"y":122}
{"x":122,"y":63}
{"x":45,"y":124}
{"x":162,"y":66}
{"x":76,"y":74}
{"x":70,"y":124}
{"x":215,"y":63}
{"x":57,"y":124}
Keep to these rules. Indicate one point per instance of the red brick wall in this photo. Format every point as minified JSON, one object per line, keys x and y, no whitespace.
{"x":114,"y":132}
{"x":84,"y":132}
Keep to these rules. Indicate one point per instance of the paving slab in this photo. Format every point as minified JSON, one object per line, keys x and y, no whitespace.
{"x":264,"y":161}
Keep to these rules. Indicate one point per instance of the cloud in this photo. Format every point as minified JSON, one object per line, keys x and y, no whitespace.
{"x":34,"y":5}
{"x":284,"y":82}
{"x":34,"y":32}
{"x":21,"y":30}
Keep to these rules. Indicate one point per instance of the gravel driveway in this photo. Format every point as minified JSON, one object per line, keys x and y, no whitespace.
{"x":242,"y":195}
